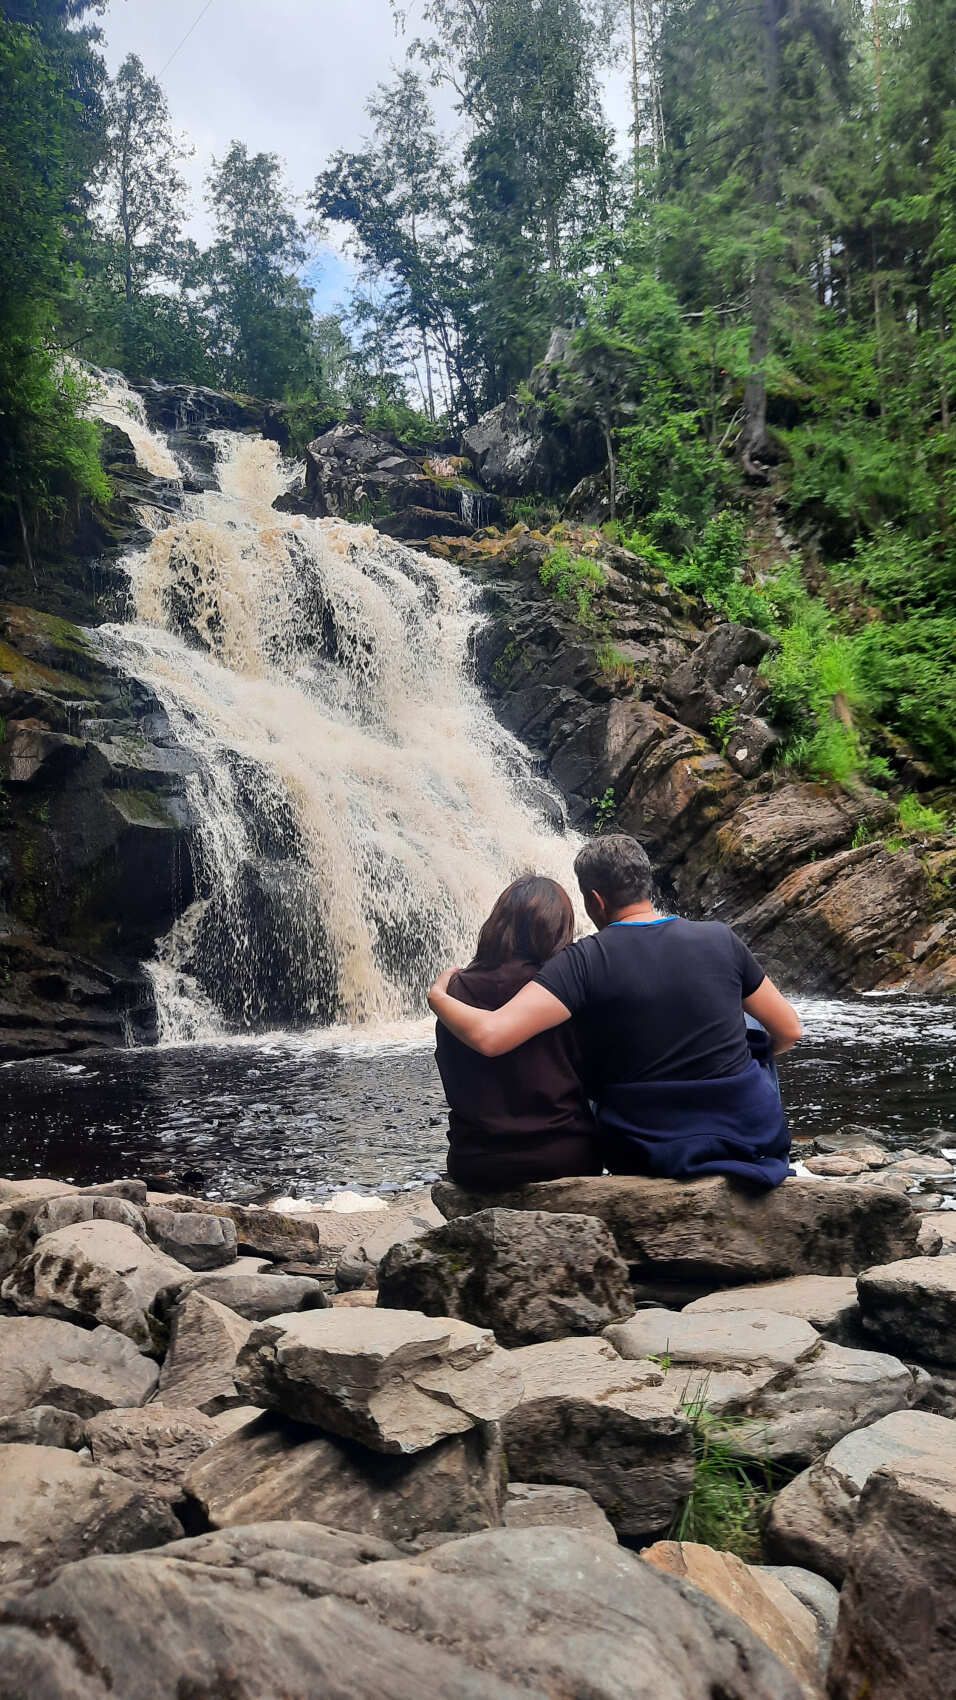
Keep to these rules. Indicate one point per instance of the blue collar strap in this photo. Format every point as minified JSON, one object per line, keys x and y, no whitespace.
{"x":661,"y":921}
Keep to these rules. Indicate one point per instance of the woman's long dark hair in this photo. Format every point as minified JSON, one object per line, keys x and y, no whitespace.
{"x":532,"y":920}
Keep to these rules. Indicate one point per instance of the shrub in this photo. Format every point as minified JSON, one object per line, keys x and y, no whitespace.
{"x":573,"y":578}
{"x":919,"y":817}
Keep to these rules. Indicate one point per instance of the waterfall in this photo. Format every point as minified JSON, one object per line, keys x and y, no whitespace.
{"x":115,"y":403}
{"x":360,"y":807}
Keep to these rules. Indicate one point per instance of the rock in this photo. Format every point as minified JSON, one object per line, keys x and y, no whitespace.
{"x":256,"y":1296}
{"x":937,"y":1233}
{"x":827,"y":1302}
{"x":387,"y":1378}
{"x":265,"y":1233}
{"x":724,"y":1339}
{"x":55,"y":1507}
{"x":46,"y":1362}
{"x":835,"y":1391}
{"x":200,"y":1367}
{"x":21,"y":1192}
{"x":540,"y":1505}
{"x":817,"y":1594}
{"x":274,"y":1468}
{"x":97,"y":1271}
{"x":43,"y":1425}
{"x":587,"y":1419}
{"x":153,"y":1447}
{"x":57,"y":1213}
{"x":510,"y":1614}
{"x":199,"y":1241}
{"x":912,"y":1305}
{"x":358,"y":1265}
{"x":359,"y":1298}
{"x":712,"y":1233}
{"x":813,"y":1519}
{"x":897,"y":1625}
{"x":762,"y":1601}
{"x":527,"y":1275}
{"x":236,"y":1417}
{"x":852,"y":1160}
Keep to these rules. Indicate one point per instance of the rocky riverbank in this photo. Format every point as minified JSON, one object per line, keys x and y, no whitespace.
{"x":481,"y":1446}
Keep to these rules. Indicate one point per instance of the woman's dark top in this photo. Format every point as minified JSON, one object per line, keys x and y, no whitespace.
{"x":516,"y":1118}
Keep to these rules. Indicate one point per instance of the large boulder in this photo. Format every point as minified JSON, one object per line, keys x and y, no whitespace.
{"x":527,"y":1275}
{"x":56,"y":1506}
{"x":200,"y":1366}
{"x":762,"y":1338}
{"x":153,"y":1447}
{"x":896,"y":1630}
{"x":195,"y":1238}
{"x":393,"y":1379}
{"x":812,"y":1520}
{"x":715,"y":1233}
{"x":911,"y":1305}
{"x":96,"y":1272}
{"x":43,"y":1425}
{"x":763,"y":1602}
{"x":253,"y":1294}
{"x":299,"y":1610}
{"x":271,"y":1468}
{"x":584,"y":1418}
{"x":47,"y":1362}
{"x":828,"y":1302}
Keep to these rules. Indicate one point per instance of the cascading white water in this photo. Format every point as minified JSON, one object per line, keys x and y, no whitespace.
{"x":115,"y":403}
{"x":360,"y":807}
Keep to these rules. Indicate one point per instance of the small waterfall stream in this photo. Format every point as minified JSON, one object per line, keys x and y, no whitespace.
{"x":359,"y":806}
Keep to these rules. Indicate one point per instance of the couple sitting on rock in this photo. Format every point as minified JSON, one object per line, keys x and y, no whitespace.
{"x":627,"y":1050}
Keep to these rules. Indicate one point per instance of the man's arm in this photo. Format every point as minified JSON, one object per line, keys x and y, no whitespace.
{"x":777,"y":1015}
{"x":493,"y":1032}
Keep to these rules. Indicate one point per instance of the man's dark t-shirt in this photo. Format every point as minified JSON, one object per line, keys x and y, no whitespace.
{"x":657,"y":1000}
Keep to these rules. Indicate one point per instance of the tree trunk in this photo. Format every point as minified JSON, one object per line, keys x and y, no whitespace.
{"x":754,"y":441}
{"x":635,"y":97}
{"x":611,"y":470}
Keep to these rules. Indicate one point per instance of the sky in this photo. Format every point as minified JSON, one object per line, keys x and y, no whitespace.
{"x":285,"y":76}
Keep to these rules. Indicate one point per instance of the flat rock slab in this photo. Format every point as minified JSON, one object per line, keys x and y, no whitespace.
{"x":47,"y":1362}
{"x":153,"y":1447}
{"x":542,"y":1505}
{"x":272,"y":1468}
{"x":715,"y":1233}
{"x":197,"y":1239}
{"x":65,"y":1212}
{"x":528,"y":1275}
{"x":722,"y":1340}
{"x":896,"y":1630}
{"x":56,"y":1506}
{"x":204,"y":1345}
{"x":97,"y":1271}
{"x":911,"y":1305}
{"x":300,"y":1611}
{"x":257,"y":1296}
{"x":266,"y":1233}
{"x":358,"y":1264}
{"x":827,"y":1302}
{"x":587,"y":1419}
{"x":368,"y":1375}
{"x":765,"y":1603}
{"x":813,"y":1519}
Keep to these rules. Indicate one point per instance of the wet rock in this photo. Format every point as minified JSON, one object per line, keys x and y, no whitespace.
{"x":43,"y":1425}
{"x":827,"y":1302}
{"x":48,"y":1362}
{"x":912,"y":1305}
{"x":256,"y":1296}
{"x":527,"y":1275}
{"x":812,"y":1520}
{"x":503,"y":1615}
{"x":724,"y":1339}
{"x":762,"y":1601}
{"x":541,"y":1505}
{"x":712,"y":1233}
{"x":387,"y":1378}
{"x":200,"y":1366}
{"x":897,"y":1625}
{"x":587,"y":1419}
{"x":198,"y":1240}
{"x":274,"y":1468}
{"x":55,"y":1507}
{"x":153,"y":1447}
{"x":98,"y":1271}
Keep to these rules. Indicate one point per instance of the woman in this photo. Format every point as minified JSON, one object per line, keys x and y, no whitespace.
{"x":521,"y":1117}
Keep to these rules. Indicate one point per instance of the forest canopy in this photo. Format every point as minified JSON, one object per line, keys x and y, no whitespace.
{"x":759,"y":282}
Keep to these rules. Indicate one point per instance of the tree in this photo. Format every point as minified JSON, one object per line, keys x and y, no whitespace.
{"x":260,"y":313}
{"x":145,"y":192}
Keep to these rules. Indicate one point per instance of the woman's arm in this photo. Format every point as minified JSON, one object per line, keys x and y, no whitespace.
{"x":777,"y":1015}
{"x":492,"y":1032}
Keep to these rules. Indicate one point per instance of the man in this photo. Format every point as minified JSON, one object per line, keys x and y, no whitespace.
{"x":660,"y":1005}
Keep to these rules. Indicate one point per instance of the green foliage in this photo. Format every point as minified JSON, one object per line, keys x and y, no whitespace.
{"x":918,"y":817}
{"x":723,"y":726}
{"x":605,"y":810}
{"x":574,"y":579}
{"x":732,"y":1488}
{"x":413,"y":429}
{"x":614,"y":667}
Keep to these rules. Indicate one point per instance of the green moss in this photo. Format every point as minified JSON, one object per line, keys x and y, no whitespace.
{"x":141,"y":807}
{"x":30,"y":675}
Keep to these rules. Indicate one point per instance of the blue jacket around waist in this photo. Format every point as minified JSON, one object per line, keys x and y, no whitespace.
{"x":681,"y":1129}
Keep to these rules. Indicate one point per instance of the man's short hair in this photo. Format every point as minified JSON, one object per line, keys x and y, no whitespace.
{"x":616,"y":866}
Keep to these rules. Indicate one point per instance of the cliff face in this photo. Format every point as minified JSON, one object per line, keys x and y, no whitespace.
{"x":626,"y":710}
